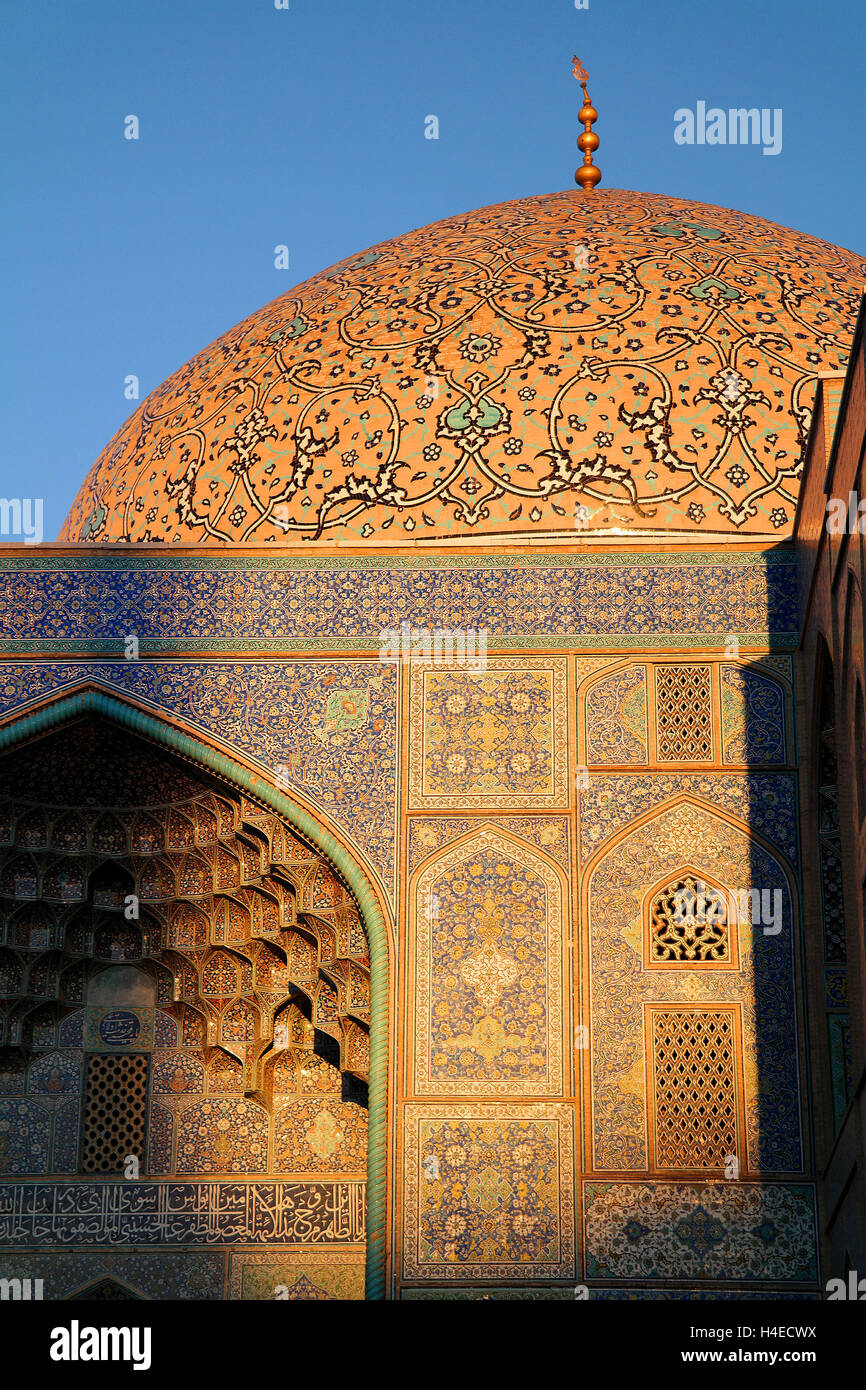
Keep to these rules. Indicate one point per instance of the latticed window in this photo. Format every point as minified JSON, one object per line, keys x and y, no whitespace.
{"x":688,"y":922}
{"x":684,"y":719}
{"x":115,"y":1111}
{"x":694,"y":1085}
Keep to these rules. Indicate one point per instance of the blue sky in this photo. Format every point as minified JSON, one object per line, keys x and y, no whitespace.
{"x":305,"y":127}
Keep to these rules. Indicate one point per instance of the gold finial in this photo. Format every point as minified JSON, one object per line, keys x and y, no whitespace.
{"x":588,"y":175}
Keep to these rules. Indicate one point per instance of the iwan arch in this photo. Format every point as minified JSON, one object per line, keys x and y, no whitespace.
{"x":228,"y":1060}
{"x":407,"y":1012}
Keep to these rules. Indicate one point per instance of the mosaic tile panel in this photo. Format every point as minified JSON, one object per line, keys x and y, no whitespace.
{"x":753,"y":717}
{"x":254,"y":604}
{"x":763,"y":986}
{"x":616,"y":718}
{"x":25,"y":1137}
{"x":488,"y":953}
{"x":669,"y":1231}
{"x":297,"y":1275}
{"x":222,"y":1135}
{"x":67,"y":1128}
{"x":498,"y":739}
{"x":312,"y":1135}
{"x":588,"y":666}
{"x":765,"y":801}
{"x":189,"y":1274}
{"x":55,"y":1073}
{"x":488,"y":1192}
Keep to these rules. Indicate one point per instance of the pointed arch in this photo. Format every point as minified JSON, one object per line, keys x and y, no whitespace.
{"x":721,"y":945}
{"x":473,"y":929}
{"x":189,"y":733}
{"x":89,"y":700}
{"x":618,"y":988}
{"x":111,"y":1289}
{"x":710,"y":808}
{"x":497,"y":828}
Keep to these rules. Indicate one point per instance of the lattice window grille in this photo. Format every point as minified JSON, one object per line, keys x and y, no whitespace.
{"x":684,"y":720}
{"x":695,"y":1088}
{"x":689,"y":923}
{"x":115,"y":1111}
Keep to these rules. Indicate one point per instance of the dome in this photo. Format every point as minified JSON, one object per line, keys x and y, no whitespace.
{"x":609,"y":362}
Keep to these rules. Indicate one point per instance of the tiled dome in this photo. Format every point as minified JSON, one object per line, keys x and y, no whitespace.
{"x":610,"y":362}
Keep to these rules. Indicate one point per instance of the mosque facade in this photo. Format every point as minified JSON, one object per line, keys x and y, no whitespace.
{"x":431,"y":794}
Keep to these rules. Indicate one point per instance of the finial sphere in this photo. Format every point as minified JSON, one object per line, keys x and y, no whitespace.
{"x":588,"y":175}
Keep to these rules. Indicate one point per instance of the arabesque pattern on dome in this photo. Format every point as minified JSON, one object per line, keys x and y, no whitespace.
{"x":608,"y":362}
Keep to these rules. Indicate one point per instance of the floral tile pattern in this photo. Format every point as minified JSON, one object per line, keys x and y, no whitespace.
{"x":488,"y":946}
{"x":88,"y":603}
{"x":488,"y":1192}
{"x":665,"y":1231}
{"x":474,"y":376}
{"x":489,"y":740}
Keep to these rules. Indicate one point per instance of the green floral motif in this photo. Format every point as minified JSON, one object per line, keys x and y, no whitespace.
{"x":347,"y":709}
